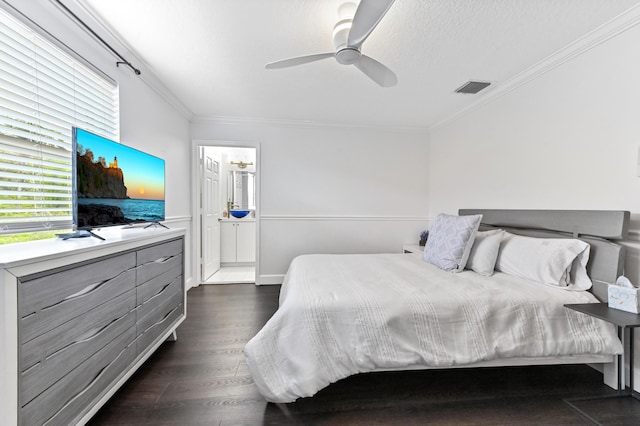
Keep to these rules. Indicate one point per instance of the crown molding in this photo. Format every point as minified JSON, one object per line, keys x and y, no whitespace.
{"x":229,"y":120}
{"x":341,"y":218}
{"x":621,"y":23}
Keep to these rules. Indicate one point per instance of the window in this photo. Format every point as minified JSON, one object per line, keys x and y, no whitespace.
{"x":44,"y":91}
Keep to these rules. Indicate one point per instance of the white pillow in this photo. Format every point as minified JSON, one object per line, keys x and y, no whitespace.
{"x":555,"y":261}
{"x":484,"y":252}
{"x":450,"y":240}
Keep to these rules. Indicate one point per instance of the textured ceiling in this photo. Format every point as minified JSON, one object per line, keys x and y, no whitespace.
{"x":211,"y":53}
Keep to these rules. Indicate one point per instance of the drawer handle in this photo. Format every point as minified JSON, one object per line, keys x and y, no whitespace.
{"x":88,"y":289}
{"x":162,"y":290}
{"x":163,"y":319}
{"x":33,"y":367}
{"x":163,"y":259}
{"x":85,"y":290}
{"x":89,"y":335}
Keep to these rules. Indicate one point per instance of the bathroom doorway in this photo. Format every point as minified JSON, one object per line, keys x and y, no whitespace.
{"x":228,"y":217}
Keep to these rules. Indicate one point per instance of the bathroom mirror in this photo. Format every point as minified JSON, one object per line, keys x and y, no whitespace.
{"x":241,"y":189}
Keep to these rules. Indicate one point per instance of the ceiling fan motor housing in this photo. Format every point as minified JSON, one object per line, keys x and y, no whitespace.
{"x":345,"y":55}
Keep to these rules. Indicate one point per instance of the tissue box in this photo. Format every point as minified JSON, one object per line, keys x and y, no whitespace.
{"x":624,"y":298}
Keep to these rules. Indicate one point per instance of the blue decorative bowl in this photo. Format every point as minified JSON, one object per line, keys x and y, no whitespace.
{"x":239,"y":213}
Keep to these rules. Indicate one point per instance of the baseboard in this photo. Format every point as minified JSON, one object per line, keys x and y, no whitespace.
{"x":273,"y":279}
{"x":189,"y":283}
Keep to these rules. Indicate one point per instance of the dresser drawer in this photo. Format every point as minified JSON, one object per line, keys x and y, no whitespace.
{"x":49,"y":357}
{"x":155,"y":285}
{"x":69,"y":398}
{"x":158,"y":306}
{"x":151,"y":270}
{"x":49,"y":301}
{"x":155,"y":252}
{"x":156,"y":329}
{"x":155,"y":260}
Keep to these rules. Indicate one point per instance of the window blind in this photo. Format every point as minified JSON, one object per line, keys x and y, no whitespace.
{"x":44,"y":91}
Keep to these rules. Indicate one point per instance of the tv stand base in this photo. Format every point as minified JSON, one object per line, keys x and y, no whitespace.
{"x":79,"y":234}
{"x":155,"y":225}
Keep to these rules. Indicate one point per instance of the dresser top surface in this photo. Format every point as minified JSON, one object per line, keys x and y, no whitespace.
{"x":14,"y":255}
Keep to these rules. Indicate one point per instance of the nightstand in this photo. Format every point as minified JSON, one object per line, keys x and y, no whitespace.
{"x":412,"y":248}
{"x":621,"y":320}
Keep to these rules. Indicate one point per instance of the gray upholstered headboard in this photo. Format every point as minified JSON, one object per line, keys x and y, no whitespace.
{"x":599,"y":228}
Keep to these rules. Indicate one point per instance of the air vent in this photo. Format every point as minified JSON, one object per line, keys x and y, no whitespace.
{"x":472,"y":87}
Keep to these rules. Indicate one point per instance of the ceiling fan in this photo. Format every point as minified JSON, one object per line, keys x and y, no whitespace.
{"x":348,"y":36}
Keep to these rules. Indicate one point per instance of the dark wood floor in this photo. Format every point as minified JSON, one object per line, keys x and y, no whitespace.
{"x":202,"y":379}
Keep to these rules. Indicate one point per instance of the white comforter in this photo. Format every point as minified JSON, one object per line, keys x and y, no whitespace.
{"x":344,"y":314}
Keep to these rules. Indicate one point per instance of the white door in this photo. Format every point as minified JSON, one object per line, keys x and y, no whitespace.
{"x":210,"y":201}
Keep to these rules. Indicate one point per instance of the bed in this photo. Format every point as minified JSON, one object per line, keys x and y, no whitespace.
{"x":341,"y":315}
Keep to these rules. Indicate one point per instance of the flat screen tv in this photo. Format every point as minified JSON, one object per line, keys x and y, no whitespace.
{"x":115,"y":184}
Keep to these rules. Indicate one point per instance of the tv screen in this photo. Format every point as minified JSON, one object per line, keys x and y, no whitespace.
{"x":115,"y":184}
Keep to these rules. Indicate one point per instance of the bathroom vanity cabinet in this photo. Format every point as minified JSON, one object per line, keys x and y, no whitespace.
{"x":238,"y":241}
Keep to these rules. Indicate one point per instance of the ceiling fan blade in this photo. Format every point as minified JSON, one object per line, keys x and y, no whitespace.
{"x":367,"y":17}
{"x":292,"y":62}
{"x":376,"y":71}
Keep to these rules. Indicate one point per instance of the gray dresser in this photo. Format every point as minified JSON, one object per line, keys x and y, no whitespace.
{"x":86,"y":319}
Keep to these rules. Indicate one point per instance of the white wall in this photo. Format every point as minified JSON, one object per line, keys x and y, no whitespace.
{"x":331,"y":189}
{"x":148,"y":121}
{"x":568,"y":139}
